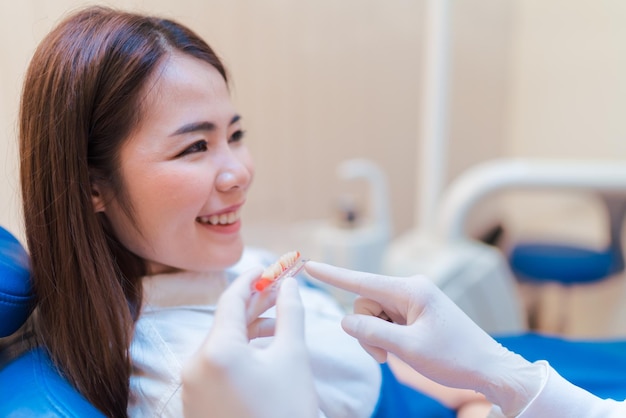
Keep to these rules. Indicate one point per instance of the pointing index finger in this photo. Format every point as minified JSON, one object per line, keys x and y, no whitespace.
{"x":369,"y":285}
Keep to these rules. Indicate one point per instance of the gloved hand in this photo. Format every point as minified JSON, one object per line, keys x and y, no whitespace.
{"x":228,"y":377}
{"x":413,"y":319}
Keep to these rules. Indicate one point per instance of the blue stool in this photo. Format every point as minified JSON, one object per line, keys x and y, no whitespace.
{"x":567,"y":265}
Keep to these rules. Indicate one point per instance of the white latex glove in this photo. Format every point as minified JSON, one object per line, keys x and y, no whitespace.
{"x":228,"y":377}
{"x":413,"y":319}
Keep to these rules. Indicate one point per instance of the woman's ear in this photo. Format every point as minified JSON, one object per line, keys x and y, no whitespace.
{"x":97,"y":198}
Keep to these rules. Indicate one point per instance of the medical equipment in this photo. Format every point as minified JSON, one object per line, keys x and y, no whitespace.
{"x":358,"y":238}
{"x":288,"y":265}
{"x":476,"y":276}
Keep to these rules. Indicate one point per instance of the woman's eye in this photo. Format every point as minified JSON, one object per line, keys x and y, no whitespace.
{"x":237,"y":136}
{"x":199,"y":146}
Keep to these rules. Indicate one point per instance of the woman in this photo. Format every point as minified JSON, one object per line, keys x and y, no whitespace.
{"x":133,"y":174}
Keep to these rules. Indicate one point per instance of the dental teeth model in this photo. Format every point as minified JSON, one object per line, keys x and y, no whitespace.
{"x":288,"y":265}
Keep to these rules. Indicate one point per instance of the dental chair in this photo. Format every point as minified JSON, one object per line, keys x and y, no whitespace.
{"x":30,"y":385}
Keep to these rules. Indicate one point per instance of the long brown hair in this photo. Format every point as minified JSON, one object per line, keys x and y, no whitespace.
{"x":81,"y":99}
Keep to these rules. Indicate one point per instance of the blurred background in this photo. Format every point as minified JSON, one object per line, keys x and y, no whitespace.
{"x":319,"y":82}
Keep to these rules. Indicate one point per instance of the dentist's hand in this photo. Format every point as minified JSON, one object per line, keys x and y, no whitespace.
{"x":228,"y":377}
{"x":411,"y":318}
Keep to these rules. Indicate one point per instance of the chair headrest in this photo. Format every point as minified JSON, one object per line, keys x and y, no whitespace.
{"x":16,"y":296}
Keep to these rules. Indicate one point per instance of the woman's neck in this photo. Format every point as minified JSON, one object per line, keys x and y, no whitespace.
{"x":184,"y":288}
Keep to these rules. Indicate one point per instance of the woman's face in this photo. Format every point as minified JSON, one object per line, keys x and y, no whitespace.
{"x":185,"y":171}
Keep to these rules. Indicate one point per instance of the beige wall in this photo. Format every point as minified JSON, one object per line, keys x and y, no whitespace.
{"x":320,"y":81}
{"x":567,"y":99}
{"x":568,"y":94}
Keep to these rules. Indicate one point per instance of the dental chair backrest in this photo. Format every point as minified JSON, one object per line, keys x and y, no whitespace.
{"x":31,"y":384}
{"x":15,"y":291}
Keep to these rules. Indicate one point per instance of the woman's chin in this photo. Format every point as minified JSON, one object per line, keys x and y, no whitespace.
{"x":226,"y":259}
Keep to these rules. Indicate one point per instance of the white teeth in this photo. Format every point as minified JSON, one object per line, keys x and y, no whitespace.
{"x":223,"y":219}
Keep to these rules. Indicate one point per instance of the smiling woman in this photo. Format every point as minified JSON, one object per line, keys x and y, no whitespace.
{"x":186,"y":171}
{"x":134,"y":173}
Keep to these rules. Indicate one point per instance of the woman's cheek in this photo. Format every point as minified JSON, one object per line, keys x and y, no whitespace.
{"x":249,"y":164}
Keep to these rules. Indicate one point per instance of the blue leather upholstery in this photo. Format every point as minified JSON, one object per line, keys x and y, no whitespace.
{"x":31,"y":385}
{"x":565,"y":264}
{"x":15,"y":290}
{"x":598,"y":366}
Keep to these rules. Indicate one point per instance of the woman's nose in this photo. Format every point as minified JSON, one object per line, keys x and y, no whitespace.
{"x":233,"y":176}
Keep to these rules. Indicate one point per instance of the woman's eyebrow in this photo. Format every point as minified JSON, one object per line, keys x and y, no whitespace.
{"x":235,"y":119}
{"x":194,"y":127}
{"x":201,"y":126}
